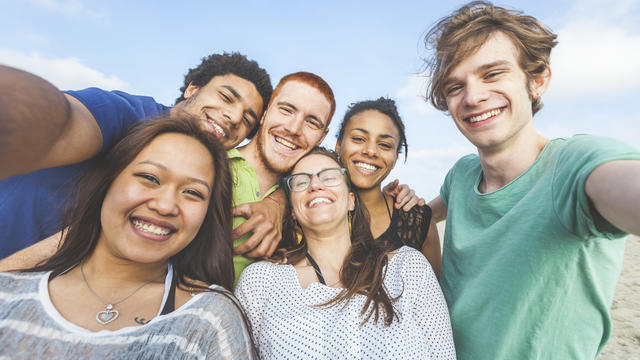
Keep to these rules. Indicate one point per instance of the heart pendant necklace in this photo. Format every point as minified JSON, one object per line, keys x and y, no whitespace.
{"x":109,"y":314}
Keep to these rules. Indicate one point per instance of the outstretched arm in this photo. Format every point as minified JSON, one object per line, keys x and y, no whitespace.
{"x":264,"y":220}
{"x":41,"y":127}
{"x":614,"y":189}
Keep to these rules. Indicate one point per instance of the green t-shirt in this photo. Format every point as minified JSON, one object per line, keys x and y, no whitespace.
{"x":245,"y":190}
{"x":529,"y":270}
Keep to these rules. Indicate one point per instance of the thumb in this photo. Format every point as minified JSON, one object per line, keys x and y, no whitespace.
{"x":242,"y":210}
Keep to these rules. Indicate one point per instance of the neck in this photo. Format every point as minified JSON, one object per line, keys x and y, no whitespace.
{"x":373,"y":198}
{"x":266,"y":177}
{"x":502,"y":165}
{"x":103,"y":267}
{"x":329,"y":250}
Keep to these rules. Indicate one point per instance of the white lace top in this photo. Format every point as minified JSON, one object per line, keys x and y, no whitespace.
{"x":287,"y":325}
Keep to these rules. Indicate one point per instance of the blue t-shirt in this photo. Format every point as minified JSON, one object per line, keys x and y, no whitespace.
{"x":32,"y":205}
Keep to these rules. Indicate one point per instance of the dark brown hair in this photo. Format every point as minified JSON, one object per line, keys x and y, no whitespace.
{"x":462,"y":33}
{"x":364,"y":268}
{"x":208,"y":258}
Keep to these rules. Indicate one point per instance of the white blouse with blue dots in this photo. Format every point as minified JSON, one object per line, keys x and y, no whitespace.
{"x":286,"y":324}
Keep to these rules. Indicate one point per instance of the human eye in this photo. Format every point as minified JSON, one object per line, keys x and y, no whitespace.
{"x":194,"y":193}
{"x":493,"y":74}
{"x":226,"y":97}
{"x":357,"y":139}
{"x":247,"y":121}
{"x":314,"y":123}
{"x":330,"y":176}
{"x":285,"y":110}
{"x":452,"y":90}
{"x":148,"y":178}
{"x":299,"y":182}
{"x":386,"y":146}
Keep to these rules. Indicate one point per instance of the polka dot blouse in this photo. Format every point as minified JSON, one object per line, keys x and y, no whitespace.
{"x":286,"y":323}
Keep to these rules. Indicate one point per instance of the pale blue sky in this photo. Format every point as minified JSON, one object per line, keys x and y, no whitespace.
{"x":364,"y":49}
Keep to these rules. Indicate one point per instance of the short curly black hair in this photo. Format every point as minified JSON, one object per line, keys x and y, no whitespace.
{"x":230,"y":63}
{"x":384,"y":105}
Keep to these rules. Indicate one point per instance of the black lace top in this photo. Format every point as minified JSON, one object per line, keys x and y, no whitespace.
{"x":407,"y":228}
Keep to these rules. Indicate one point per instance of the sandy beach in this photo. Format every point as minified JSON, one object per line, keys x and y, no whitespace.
{"x":625,"y":310}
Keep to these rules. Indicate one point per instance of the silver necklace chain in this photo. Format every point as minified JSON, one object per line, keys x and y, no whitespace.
{"x":109,"y":314}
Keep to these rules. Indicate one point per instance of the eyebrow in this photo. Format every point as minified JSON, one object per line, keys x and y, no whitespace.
{"x":383,"y":136}
{"x":239,"y":97}
{"x":163,"y":167}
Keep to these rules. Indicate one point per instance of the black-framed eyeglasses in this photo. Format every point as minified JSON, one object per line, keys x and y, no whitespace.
{"x":328,"y":177}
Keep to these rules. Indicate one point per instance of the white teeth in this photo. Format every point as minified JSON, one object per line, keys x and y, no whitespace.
{"x":285,"y":143}
{"x":217,"y":128}
{"x":484,"y":116}
{"x":318,"y":201}
{"x":365,"y":166}
{"x":150,"y":228}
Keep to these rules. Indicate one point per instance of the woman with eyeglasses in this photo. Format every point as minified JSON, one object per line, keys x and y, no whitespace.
{"x":371,"y":137}
{"x":334,"y":293}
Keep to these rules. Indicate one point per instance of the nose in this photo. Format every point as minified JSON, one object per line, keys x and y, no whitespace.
{"x":233,"y":113}
{"x":370,"y":149}
{"x":315,"y":183}
{"x":294,"y":125}
{"x":475,"y":93}
{"x":164,"y":202}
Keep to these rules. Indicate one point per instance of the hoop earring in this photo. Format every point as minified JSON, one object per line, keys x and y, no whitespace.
{"x":350,"y":223}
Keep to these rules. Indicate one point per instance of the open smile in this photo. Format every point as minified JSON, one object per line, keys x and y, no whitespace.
{"x":151,"y":228}
{"x":319,"y":201}
{"x":285,"y":143}
{"x":216,"y":128}
{"x":365,"y":168}
{"x":484,"y":117}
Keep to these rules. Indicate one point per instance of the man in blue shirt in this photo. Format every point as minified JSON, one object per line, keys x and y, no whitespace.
{"x":48,"y":136}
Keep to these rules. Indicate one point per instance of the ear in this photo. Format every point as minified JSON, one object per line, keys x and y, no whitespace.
{"x":261,"y":122}
{"x":324,"y":133}
{"x":352,"y":201}
{"x":540,"y":83}
{"x":190,"y":90}
{"x":338,"y":147}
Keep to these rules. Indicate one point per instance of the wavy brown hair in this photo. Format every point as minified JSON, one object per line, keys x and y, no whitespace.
{"x":364,"y":268}
{"x":209,"y":256}
{"x":462,"y":33}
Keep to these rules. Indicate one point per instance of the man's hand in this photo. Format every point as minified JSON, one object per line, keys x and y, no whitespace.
{"x":264,"y":219}
{"x":406,"y":198}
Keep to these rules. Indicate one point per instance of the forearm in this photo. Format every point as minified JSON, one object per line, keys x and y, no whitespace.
{"x":614,"y":189}
{"x":31,"y":256}
{"x":438,"y":209}
{"x":33,"y":113}
{"x":431,"y":249}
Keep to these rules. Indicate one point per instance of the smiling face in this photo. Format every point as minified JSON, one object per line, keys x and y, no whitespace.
{"x":229,"y":107}
{"x":154,"y":208}
{"x":296,"y":121}
{"x":488,"y":97}
{"x":369,"y":148}
{"x":318,"y":204}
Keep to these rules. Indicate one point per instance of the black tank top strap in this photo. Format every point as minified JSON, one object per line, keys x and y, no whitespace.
{"x":170,"y":304}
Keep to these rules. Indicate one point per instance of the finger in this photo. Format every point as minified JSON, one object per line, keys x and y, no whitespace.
{"x":262,"y":250}
{"x":390,"y":188}
{"x":403,"y":196}
{"x":411,"y":203}
{"x":243,"y":210}
{"x":250,"y":225}
{"x":421,"y":202}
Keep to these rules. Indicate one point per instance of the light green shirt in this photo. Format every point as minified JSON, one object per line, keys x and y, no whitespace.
{"x":529,"y":270}
{"x":245,"y":190}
